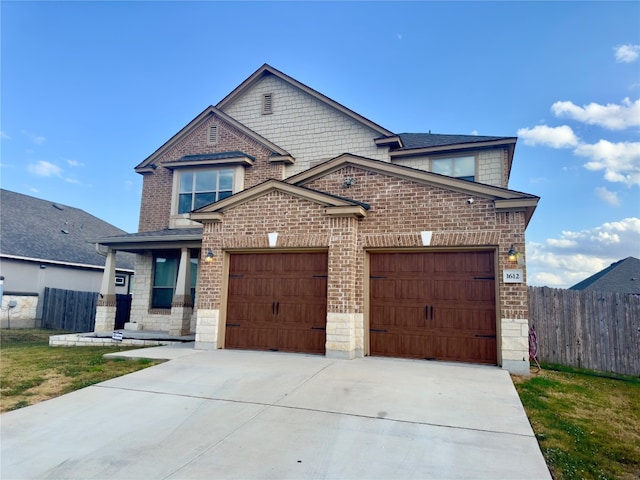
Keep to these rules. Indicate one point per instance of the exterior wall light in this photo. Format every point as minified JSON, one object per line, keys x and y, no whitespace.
{"x":512,"y":254}
{"x":209,"y":256}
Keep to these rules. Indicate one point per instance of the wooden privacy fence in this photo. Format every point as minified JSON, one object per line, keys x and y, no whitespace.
{"x":75,"y":311}
{"x":578,"y":328}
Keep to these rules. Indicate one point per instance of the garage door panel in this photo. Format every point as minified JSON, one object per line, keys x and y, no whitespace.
{"x":444,"y":311}
{"x":277,"y":301}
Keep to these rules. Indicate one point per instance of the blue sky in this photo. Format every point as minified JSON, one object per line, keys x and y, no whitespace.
{"x":90,"y":89}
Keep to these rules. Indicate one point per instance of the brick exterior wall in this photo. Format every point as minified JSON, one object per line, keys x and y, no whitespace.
{"x":308,"y":129}
{"x":400,"y":210}
{"x":157,"y":187}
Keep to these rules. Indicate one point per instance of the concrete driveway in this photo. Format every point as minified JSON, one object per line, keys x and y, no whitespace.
{"x":243,"y":414}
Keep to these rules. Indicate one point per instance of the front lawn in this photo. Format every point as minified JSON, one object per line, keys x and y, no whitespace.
{"x":587,"y":424}
{"x":31,"y":371}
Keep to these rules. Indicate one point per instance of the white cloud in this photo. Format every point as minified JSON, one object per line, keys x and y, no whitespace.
{"x":555,"y":137}
{"x":74,"y":163}
{"x":608,"y":197}
{"x":564,"y":261}
{"x":627,"y":53}
{"x":35,"y":138}
{"x":44,"y":169}
{"x":72,"y":180}
{"x":611,"y":115}
{"x":4,"y":136}
{"x":620,"y":161}
{"x":474,"y":132}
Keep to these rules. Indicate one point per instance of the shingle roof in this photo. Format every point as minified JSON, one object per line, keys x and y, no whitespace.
{"x":425,"y":140}
{"x":40,"y":229}
{"x":622,"y":276}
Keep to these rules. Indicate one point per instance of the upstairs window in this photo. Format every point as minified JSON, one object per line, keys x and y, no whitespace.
{"x":267,"y":103}
{"x":198,"y":188}
{"x":457,"y":167}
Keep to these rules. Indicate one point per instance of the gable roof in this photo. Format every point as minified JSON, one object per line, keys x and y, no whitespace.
{"x":41,"y":230}
{"x":335,"y":204}
{"x":146,"y":166}
{"x":622,"y":276}
{"x":504,"y":199}
{"x":266,"y":69}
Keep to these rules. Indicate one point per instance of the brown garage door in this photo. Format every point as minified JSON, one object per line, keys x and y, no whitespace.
{"x":438,"y":306}
{"x":277,"y":301}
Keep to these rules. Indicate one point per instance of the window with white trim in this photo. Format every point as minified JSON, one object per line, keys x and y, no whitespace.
{"x":198,"y":188}
{"x":457,"y":167}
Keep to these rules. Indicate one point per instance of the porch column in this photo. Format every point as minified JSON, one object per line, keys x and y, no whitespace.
{"x":106,"y":306}
{"x":182,"y":304}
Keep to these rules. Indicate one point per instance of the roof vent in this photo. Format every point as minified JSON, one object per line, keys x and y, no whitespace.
{"x":213,"y":134}
{"x":56,"y":206}
{"x":267,"y":103}
{"x":66,"y":232}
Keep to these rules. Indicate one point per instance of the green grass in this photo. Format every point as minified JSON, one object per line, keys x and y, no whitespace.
{"x":31,"y":371}
{"x":587,"y":423}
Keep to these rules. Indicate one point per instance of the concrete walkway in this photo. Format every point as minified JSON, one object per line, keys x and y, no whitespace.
{"x":243,"y":414}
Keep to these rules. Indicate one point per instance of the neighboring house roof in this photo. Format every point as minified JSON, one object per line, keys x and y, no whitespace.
{"x":147,"y":165}
{"x":622,"y":276}
{"x":41,"y":230}
{"x":265,"y":70}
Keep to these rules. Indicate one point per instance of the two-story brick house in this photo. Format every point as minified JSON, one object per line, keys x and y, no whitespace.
{"x":281,"y":220}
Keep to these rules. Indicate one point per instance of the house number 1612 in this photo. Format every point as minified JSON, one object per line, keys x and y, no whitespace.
{"x":512,"y":276}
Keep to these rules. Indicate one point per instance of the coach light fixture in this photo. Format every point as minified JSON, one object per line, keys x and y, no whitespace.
{"x":209,"y":256}
{"x":512,"y":254}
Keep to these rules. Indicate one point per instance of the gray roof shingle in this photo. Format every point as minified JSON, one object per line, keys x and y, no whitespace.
{"x":426,"y":140}
{"x":35,"y":228}
{"x":622,"y":276}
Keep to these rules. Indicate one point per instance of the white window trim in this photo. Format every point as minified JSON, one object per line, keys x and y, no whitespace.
{"x":181,"y":220}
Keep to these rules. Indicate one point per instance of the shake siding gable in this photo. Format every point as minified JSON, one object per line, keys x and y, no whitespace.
{"x":155,"y":211}
{"x":308,"y":129}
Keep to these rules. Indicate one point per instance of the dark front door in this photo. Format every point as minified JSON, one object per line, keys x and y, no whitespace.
{"x":438,"y":306}
{"x":277,"y":301}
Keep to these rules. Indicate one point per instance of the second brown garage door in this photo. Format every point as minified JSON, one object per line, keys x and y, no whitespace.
{"x":277,"y":301}
{"x":438,"y":306}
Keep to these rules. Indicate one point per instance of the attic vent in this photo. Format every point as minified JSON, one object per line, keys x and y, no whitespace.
{"x":213,"y":134}
{"x":267,"y":103}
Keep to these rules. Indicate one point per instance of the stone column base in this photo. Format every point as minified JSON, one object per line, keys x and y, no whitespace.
{"x":341,"y":341}
{"x":105,"y":318}
{"x":207,"y":329}
{"x":180,"y":321}
{"x":514,"y":334}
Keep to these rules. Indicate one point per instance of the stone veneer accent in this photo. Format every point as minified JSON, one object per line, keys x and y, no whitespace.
{"x":105,"y":315}
{"x":207,"y":327}
{"x":23,"y":315}
{"x":514,"y":333}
